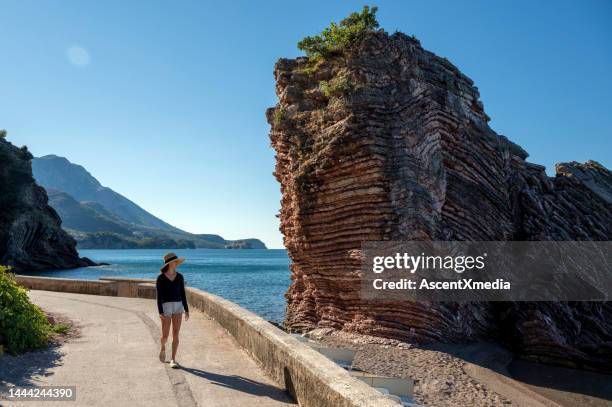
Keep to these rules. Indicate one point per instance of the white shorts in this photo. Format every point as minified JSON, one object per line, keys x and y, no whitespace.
{"x":171,"y":308}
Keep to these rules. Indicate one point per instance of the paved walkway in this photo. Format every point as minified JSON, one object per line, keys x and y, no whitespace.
{"x":114,"y":361}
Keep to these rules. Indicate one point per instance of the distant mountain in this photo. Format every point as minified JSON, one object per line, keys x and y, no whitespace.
{"x":52,"y":171}
{"x":99,"y":217}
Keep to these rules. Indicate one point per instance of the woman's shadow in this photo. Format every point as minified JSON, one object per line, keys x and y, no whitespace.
{"x":242,"y":384}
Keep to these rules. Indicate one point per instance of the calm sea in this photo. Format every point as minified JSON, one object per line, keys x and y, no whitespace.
{"x":254,"y":279}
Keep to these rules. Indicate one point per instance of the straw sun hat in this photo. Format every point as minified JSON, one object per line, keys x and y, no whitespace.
{"x":171,"y":258}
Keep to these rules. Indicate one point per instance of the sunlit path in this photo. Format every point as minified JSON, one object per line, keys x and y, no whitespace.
{"x":114,"y":360}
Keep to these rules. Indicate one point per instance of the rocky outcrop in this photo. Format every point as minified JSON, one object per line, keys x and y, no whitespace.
{"x":31,"y":237}
{"x":245,"y":244}
{"x":387,"y":141}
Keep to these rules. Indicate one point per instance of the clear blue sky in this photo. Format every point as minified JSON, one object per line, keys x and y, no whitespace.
{"x":170,"y":96}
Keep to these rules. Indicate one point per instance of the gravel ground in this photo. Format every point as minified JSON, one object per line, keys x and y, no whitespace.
{"x":439,"y":377}
{"x":74,"y":330}
{"x":458,"y":375}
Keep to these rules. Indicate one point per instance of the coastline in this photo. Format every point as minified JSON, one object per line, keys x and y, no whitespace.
{"x":253,"y":278}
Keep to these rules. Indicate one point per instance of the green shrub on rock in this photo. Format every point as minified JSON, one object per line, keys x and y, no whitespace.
{"x":279,"y":115}
{"x":23,"y":325}
{"x":338,"y":86}
{"x":338,"y":37}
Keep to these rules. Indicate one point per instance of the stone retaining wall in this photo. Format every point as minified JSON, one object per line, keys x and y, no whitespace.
{"x":96,"y":287}
{"x":312,"y":379}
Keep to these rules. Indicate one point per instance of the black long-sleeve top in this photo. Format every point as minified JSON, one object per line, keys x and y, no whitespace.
{"x":170,"y":291}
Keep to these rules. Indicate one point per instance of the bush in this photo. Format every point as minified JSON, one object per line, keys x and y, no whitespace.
{"x":339,"y":86}
{"x":23,"y":325}
{"x":338,"y":37}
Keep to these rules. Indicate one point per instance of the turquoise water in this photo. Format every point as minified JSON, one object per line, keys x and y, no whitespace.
{"x":254,"y":279}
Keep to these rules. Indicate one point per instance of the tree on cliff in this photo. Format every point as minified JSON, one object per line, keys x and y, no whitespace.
{"x":338,"y":37}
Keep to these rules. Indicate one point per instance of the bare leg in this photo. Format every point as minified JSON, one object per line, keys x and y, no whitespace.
{"x":176,"y":327}
{"x":165,"y":323}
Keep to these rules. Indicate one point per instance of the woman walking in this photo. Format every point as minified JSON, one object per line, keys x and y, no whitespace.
{"x":171,"y":304}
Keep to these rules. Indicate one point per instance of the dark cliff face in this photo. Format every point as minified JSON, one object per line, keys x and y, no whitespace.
{"x":31,"y":237}
{"x":389,"y":142}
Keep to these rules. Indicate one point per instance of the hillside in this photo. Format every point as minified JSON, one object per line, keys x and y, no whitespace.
{"x":54,"y":172}
{"x":89,"y":217}
{"x":100,"y":218}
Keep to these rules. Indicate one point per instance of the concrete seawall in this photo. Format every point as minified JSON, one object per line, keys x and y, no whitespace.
{"x":312,"y":379}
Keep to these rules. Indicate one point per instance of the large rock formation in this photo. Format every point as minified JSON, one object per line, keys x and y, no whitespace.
{"x":387,"y":141}
{"x":31,"y":237}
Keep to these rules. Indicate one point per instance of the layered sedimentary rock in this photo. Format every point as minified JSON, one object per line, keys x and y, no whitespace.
{"x":387,"y":141}
{"x":31,"y":237}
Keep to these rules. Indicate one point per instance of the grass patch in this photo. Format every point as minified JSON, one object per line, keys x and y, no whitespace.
{"x":311,"y":67}
{"x":279,"y":115}
{"x":60,"y":329}
{"x":338,"y":86}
